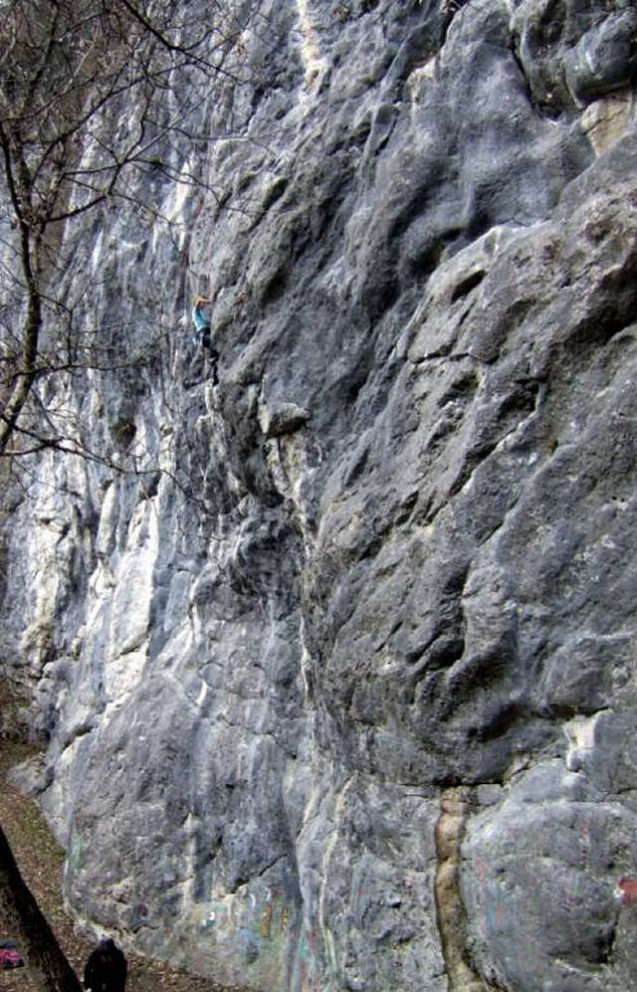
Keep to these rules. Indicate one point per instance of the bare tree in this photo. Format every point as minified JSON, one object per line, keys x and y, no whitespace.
{"x":88,"y":97}
{"x":84,"y":89}
{"x":46,"y":963}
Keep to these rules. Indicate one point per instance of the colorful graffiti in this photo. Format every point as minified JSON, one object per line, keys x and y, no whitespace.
{"x":252,"y":924}
{"x":76,"y":851}
{"x":260,"y":929}
{"x":308,"y":978}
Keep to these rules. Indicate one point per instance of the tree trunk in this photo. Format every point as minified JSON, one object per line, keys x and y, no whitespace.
{"x":42,"y":955}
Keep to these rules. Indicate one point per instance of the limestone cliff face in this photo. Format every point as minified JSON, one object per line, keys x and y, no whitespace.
{"x":340,"y":693}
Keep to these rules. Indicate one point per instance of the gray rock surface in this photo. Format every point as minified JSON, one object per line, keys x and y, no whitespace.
{"x":338,"y":675}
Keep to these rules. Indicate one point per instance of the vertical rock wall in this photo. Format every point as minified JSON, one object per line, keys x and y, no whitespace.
{"x":340,"y":690}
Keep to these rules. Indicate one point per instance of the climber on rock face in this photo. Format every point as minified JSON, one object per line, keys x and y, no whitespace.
{"x":203,"y":332}
{"x":201,"y":322}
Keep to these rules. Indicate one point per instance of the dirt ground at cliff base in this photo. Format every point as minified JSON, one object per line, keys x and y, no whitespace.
{"x":40,"y":861}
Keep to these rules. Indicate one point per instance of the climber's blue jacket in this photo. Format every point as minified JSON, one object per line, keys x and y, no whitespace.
{"x":199,"y":319}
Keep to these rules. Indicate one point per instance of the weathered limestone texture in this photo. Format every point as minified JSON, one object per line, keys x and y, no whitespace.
{"x":341,"y":693}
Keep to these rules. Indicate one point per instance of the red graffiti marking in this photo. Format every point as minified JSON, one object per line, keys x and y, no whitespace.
{"x":628,"y":891}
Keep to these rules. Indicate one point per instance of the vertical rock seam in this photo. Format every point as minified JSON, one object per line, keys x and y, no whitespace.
{"x":450,"y":911}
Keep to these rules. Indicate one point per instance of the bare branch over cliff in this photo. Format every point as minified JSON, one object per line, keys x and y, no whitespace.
{"x":87,"y":100}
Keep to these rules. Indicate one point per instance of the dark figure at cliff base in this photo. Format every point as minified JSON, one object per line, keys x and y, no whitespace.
{"x":106,"y":968}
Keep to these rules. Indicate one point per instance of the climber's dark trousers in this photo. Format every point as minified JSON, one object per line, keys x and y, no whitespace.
{"x":202,"y":339}
{"x":214,"y":359}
